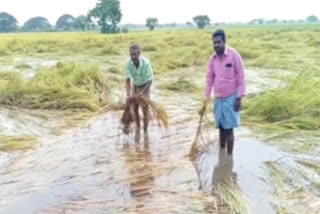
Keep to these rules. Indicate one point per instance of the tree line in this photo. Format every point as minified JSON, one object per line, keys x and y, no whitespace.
{"x":66,"y":22}
{"x":106,"y":16}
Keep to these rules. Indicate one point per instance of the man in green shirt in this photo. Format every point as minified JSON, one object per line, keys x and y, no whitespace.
{"x":139,"y":78}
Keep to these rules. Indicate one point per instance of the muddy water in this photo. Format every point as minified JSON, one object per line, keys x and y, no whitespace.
{"x":19,"y":122}
{"x":245,"y":168}
{"x":93,"y":169}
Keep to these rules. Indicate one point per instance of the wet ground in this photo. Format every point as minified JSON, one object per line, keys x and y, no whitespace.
{"x":93,"y":168}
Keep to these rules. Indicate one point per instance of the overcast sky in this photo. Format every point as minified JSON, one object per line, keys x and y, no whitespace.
{"x":168,"y":11}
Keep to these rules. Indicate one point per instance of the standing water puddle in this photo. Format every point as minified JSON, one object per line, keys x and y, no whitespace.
{"x":245,"y":168}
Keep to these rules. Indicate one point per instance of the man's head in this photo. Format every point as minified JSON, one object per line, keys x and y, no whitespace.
{"x":134,"y":52}
{"x":219,"y":41}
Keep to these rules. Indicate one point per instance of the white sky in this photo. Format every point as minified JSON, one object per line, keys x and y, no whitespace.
{"x":168,"y":11}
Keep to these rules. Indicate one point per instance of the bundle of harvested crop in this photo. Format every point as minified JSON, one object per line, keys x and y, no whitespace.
{"x":156,"y":112}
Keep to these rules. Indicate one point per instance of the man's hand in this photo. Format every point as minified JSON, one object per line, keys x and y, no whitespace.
{"x":130,"y":97}
{"x":133,"y":96}
{"x":238,"y":104}
{"x":204,"y":106}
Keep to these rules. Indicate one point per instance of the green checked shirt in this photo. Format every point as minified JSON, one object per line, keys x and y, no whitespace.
{"x":142,"y":75}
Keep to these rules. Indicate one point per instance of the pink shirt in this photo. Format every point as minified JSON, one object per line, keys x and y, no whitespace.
{"x":225,"y":75}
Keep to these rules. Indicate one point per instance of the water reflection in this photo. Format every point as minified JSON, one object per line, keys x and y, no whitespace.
{"x":141,"y":177}
{"x":223,"y":171}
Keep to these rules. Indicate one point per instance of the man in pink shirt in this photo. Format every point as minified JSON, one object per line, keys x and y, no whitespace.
{"x":227,"y":79}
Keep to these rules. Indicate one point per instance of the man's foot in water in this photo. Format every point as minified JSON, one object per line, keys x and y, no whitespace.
{"x":125,"y":130}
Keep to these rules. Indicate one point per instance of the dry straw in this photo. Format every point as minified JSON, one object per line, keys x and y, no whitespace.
{"x":156,"y":112}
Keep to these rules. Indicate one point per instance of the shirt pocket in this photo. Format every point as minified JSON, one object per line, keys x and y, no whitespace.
{"x":228,"y":71}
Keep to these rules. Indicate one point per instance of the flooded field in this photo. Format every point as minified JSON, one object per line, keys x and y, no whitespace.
{"x":93,"y":169}
{"x":69,"y":155}
{"x":96,"y":169}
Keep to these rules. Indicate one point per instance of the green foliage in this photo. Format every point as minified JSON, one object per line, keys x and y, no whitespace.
{"x":65,"y":22}
{"x":312,"y":18}
{"x":125,"y":30}
{"x":37,"y":24}
{"x":108,"y":13}
{"x":201,"y":21}
{"x":151,"y":23}
{"x":8,"y":23}
{"x":81,"y":23}
{"x":257,"y":22}
{"x":189,"y":24}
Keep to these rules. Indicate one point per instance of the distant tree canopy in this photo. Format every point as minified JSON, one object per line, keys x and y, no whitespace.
{"x":257,"y":22}
{"x":201,"y":21}
{"x":108,"y":13}
{"x":81,"y":23}
{"x":125,"y":30}
{"x":189,"y":24}
{"x":151,"y":23}
{"x":37,"y":24}
{"x":273,"y":21}
{"x":312,"y":18}
{"x":65,"y":22}
{"x":8,"y":23}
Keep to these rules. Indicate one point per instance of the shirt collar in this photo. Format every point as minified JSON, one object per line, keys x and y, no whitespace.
{"x":140,"y":61}
{"x":225,"y":52}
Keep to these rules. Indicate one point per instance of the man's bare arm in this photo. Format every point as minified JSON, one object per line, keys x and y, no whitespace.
{"x":146,"y":87}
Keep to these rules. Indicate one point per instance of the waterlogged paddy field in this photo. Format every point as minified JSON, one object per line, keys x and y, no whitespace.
{"x":61,"y":148}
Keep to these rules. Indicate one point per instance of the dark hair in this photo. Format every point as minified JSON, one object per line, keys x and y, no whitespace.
{"x":220,"y":33}
{"x":135,"y":47}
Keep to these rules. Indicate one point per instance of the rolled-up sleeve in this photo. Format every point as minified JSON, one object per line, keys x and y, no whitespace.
{"x":209,"y":79}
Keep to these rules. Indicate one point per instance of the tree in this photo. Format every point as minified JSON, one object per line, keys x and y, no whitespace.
{"x":274,"y":21}
{"x":37,"y":24}
{"x":257,"y":22}
{"x":189,"y":24}
{"x":108,"y":13}
{"x":81,"y":23}
{"x":65,"y":22}
{"x":7,"y":22}
{"x":125,"y":30}
{"x":173,"y":24}
{"x":151,"y":23}
{"x":201,"y":21}
{"x":312,"y":18}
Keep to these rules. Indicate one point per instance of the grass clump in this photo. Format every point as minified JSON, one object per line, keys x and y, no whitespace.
{"x":234,"y":198}
{"x":181,"y":85}
{"x":13,"y":143}
{"x":294,"y":105}
{"x":23,"y":66}
{"x":65,"y":86}
{"x":114,"y":70}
